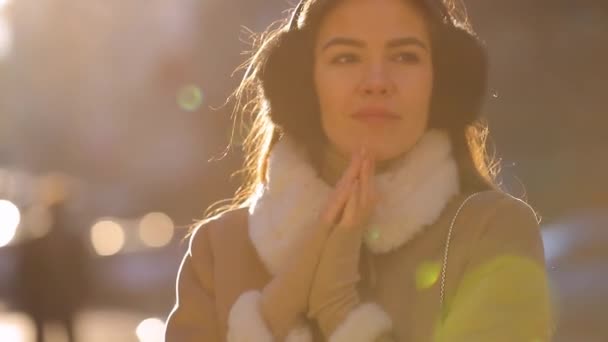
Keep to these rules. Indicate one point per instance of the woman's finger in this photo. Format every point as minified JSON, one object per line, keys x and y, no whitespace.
{"x":336,"y":203}
{"x":373,"y":189}
{"x":354,"y":169}
{"x":365,"y":183}
{"x":349,"y":215}
{"x":367,"y":201}
{"x":341,"y":193}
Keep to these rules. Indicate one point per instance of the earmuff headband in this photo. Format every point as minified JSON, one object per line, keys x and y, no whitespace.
{"x":436,"y":5}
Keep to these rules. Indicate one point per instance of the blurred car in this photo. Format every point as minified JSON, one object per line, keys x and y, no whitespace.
{"x":576,"y":249}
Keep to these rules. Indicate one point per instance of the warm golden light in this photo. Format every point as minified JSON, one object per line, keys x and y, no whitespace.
{"x":10,"y":217}
{"x":107,"y":237}
{"x":512,"y":290}
{"x":156,"y":229}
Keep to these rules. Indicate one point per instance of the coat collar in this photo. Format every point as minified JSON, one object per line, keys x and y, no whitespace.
{"x":416,"y":189}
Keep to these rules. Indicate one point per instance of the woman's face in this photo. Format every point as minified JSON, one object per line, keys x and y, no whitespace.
{"x":373,"y":76}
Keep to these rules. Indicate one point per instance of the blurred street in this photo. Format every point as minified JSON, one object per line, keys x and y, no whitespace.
{"x":114,"y":124}
{"x":92,"y":326}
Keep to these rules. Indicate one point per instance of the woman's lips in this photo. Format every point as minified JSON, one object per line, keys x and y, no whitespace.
{"x":375,"y":116}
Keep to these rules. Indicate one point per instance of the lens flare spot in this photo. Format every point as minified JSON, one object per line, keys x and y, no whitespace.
{"x":373,"y":234}
{"x":427,"y":274}
{"x":190,"y":98}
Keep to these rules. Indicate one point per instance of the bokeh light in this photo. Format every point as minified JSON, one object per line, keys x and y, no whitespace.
{"x":156,"y":229}
{"x":427,"y":274}
{"x":9,"y":221}
{"x":107,"y":237}
{"x":53,"y":188}
{"x":3,"y":3}
{"x":11,"y":332}
{"x":373,"y":234}
{"x":190,"y":98}
{"x":6,"y":33}
{"x":150,"y":330}
{"x":16,"y":327}
{"x":38,"y":220}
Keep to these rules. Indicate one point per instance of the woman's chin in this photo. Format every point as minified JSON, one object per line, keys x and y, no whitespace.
{"x":385,"y":154}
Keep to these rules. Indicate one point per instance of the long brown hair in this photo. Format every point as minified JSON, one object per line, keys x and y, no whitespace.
{"x":276,"y":96}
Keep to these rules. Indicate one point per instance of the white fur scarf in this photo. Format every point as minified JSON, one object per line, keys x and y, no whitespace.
{"x":415,"y":191}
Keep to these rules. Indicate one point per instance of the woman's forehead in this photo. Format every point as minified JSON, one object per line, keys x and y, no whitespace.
{"x":372,"y":20}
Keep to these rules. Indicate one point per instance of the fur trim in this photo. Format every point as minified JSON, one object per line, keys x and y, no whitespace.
{"x":415,"y":191}
{"x":245,"y":322}
{"x":425,"y":182}
{"x":365,"y":323}
{"x":299,"y":334}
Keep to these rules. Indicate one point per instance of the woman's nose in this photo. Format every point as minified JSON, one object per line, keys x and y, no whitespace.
{"x":377,"y":81}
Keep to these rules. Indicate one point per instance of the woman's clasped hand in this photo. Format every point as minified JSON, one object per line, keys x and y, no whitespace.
{"x":333,"y":294}
{"x":321,"y":272}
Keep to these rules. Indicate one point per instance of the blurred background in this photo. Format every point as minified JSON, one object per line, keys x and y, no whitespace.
{"x":114,"y":133}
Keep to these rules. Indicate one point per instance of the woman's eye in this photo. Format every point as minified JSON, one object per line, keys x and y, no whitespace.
{"x":408,"y":57}
{"x":344,"y":58}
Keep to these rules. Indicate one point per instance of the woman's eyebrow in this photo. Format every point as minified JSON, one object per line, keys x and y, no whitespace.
{"x":407,"y":41}
{"x":393,"y":43}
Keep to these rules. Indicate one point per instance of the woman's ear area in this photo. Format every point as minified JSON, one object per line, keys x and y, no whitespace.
{"x":460,"y":59}
{"x":286,"y":81}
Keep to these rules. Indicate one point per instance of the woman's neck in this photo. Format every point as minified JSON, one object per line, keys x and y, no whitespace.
{"x":334,"y":164}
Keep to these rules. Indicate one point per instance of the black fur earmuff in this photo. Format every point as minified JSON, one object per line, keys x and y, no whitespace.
{"x":460,"y":82}
{"x":287,"y":83}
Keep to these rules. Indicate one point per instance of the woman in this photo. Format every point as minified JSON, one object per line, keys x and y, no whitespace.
{"x":369,"y":213}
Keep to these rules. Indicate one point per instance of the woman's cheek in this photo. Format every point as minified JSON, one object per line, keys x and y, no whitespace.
{"x":339,"y":85}
{"x":418,"y":83}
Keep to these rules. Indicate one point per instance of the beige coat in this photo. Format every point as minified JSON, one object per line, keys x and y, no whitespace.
{"x":494,"y":281}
